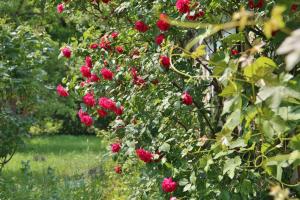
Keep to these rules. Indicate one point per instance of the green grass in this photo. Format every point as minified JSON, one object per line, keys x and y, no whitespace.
{"x":61,"y":167}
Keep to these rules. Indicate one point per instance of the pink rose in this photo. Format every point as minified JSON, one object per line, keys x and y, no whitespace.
{"x":87,"y":120}
{"x":187,"y":98}
{"x":159,"y":39}
{"x":85,"y":71}
{"x":119,"y":49}
{"x":101,"y":113}
{"x":88,"y":62}
{"x":115,"y":148}
{"x":183,"y":6}
{"x":119,"y":110}
{"x":94,"y":46}
{"x":66,"y":52}
{"x":168,"y":185}
{"x":165,"y":61}
{"x":94,"y":78}
{"x":163,"y":25}
{"x":141,"y":26}
{"x":114,"y":34}
{"x":89,"y":100}
{"x":107,"y":74}
{"x":60,"y":8}
{"x":118,"y":169}
{"x":61,"y":91}
{"x":107,"y":103}
{"x":144,"y":155}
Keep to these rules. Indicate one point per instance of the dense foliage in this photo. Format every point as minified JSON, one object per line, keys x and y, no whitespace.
{"x":30,"y":36}
{"x":204,"y":95}
{"x":200,"y":92}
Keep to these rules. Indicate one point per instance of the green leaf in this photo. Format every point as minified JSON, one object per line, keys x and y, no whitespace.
{"x":165,"y":147}
{"x":246,"y":187}
{"x":237,"y":143}
{"x":265,"y":147}
{"x":295,"y":142}
{"x":183,"y":182}
{"x":276,"y":94}
{"x":193,"y":178}
{"x":231,"y":165}
{"x":260,"y":69}
{"x":250,"y":114}
{"x":289,"y":113}
{"x":274,"y":127}
{"x":200,"y":51}
{"x":231,"y":89}
{"x":234,"y":38}
{"x":233,"y":120}
{"x":187,"y":187}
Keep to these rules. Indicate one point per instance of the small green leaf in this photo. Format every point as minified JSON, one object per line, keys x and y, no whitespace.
{"x":260,"y":69}
{"x":231,"y":165}
{"x":183,"y":182}
{"x":187,"y":187}
{"x":193,"y":178}
{"x":165,"y":147}
{"x":200,"y":51}
{"x":295,"y":142}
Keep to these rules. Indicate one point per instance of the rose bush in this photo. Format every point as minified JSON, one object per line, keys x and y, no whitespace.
{"x":211,"y":102}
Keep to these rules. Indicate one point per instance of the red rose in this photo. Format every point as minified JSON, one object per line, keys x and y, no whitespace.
{"x":183,"y":6}
{"x":88,"y":62}
{"x":168,"y":185}
{"x":159,"y":39}
{"x":144,"y":155}
{"x":195,"y":16}
{"x":133,"y":72}
{"x":82,"y":84}
{"x":141,"y":26}
{"x":107,"y":74}
{"x":114,"y":34}
{"x":66,"y":52}
{"x":115,"y":148}
{"x":94,"y":78}
{"x":81,"y":113}
{"x":61,"y":91}
{"x":162,"y":24}
{"x":260,"y":4}
{"x":107,"y":103}
{"x":187,"y":98}
{"x":85,"y":71}
{"x":104,"y":43}
{"x":89,"y":99}
{"x":60,"y":8}
{"x":252,"y":4}
{"x":234,"y":52}
{"x":101,"y":113}
{"x":139,"y":80}
{"x":118,"y":110}
{"x":119,"y":49}
{"x":294,"y":7}
{"x":94,"y":46}
{"x":87,"y":120}
{"x":106,"y":1}
{"x":118,"y":169}
{"x":165,"y":61}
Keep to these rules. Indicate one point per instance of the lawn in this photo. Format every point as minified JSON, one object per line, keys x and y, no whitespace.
{"x":61,"y":167}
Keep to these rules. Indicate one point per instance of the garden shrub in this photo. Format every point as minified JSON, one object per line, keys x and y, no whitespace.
{"x":200,"y":93}
{"x":204,"y":94}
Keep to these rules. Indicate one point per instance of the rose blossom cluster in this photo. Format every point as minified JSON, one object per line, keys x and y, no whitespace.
{"x":105,"y":105}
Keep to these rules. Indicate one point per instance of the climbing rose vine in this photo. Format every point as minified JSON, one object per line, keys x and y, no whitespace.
{"x":202,"y":96}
